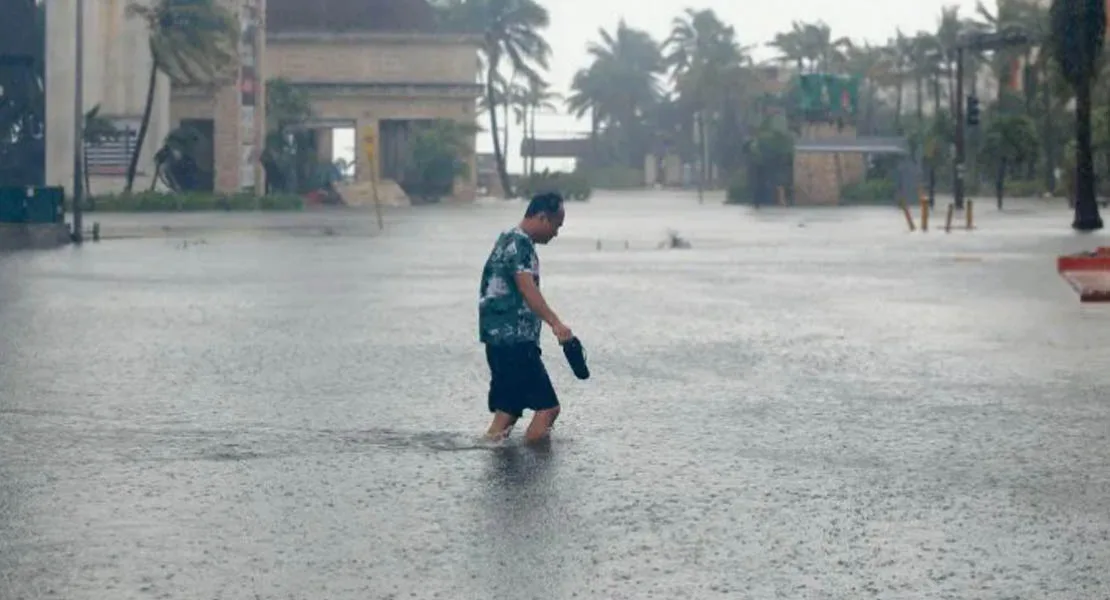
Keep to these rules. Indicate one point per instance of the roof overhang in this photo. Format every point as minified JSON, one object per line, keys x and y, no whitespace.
{"x":373,"y":37}
{"x":863,"y":145}
{"x":401,"y":89}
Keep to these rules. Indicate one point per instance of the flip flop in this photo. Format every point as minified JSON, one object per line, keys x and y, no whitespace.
{"x":576,"y":357}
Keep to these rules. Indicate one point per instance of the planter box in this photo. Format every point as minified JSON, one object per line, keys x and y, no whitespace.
{"x":1088,"y":273}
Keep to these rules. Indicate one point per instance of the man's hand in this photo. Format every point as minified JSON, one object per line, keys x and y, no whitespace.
{"x":562,"y":332}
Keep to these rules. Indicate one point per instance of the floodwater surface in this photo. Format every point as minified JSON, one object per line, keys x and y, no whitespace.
{"x":808,"y":403}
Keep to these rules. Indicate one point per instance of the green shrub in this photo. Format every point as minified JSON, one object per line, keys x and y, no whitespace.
{"x":435,"y":159}
{"x":614,"y":178}
{"x":1025,"y":189}
{"x":193,"y":202}
{"x":738,"y":190}
{"x":876,"y":191}
{"x":572,"y":186}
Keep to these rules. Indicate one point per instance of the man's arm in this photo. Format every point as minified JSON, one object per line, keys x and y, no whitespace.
{"x":534,"y":298}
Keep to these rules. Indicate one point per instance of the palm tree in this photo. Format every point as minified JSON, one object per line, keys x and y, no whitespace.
{"x":191,"y":41}
{"x":536,"y":97}
{"x":811,"y":47}
{"x":283,"y":155}
{"x":790,"y":47}
{"x":512,"y":37}
{"x":924,"y":62}
{"x":1009,"y":141}
{"x":512,"y":94}
{"x":900,"y":55}
{"x":1078,"y":29}
{"x":870,"y":64}
{"x":702,"y":55}
{"x":949,"y":29}
{"x":630,"y":63}
{"x":1010,"y":14}
{"x":588,"y":92}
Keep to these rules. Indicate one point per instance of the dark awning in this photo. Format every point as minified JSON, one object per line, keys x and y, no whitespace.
{"x":301,"y":16}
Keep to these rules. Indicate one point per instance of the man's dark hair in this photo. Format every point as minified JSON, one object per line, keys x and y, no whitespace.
{"x":544,"y":204}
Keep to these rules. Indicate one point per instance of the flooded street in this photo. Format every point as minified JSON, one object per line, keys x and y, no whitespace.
{"x":809,"y":403}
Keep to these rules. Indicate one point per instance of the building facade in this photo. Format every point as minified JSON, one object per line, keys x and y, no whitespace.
{"x":373,"y":65}
{"x":117,"y":66}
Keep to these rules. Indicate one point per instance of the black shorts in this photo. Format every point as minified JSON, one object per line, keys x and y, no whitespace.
{"x":518,"y":379}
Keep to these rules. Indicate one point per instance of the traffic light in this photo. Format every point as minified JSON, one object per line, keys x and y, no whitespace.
{"x":972,"y":111}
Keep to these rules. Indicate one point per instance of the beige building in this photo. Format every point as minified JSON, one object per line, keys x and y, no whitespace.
{"x":116,"y":76}
{"x":375,"y":66}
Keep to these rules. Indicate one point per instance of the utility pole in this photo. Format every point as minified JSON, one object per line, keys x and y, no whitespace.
{"x":79,"y":124}
{"x":1014,"y":36}
{"x":958,"y":172}
{"x":699,"y":138}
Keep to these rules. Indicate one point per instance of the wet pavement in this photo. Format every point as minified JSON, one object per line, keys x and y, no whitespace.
{"x":807,"y":404}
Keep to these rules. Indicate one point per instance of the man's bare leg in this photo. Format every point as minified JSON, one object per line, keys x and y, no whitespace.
{"x":501,"y":426}
{"x":540,"y":427}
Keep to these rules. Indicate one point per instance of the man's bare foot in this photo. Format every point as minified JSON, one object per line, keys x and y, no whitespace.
{"x":537,"y":439}
{"x":497,"y":436}
{"x":500,"y":427}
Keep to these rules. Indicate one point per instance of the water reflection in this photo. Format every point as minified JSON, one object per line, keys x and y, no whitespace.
{"x":523,"y":523}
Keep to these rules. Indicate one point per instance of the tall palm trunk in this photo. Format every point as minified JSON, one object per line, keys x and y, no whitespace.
{"x":1049,"y":133}
{"x":498,"y":155}
{"x":1105,"y":153}
{"x":936,"y":118}
{"x":85,"y":174}
{"x":595,"y":129}
{"x":869,"y":107}
{"x":936,"y":96}
{"x":133,"y":167}
{"x":920,"y":99}
{"x":951,"y":67}
{"x":532,"y":125}
{"x":506,"y":148}
{"x":1000,"y":182}
{"x":898,"y":105}
{"x":1028,"y":87}
{"x":1086,"y":206}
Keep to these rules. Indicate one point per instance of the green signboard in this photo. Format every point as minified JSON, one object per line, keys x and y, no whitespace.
{"x":826,"y":97}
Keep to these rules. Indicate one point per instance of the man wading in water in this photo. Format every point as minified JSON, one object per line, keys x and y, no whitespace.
{"x":510,"y":312}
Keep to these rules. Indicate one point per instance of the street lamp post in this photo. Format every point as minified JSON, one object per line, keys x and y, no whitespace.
{"x":79,"y":124}
{"x":977,"y":41}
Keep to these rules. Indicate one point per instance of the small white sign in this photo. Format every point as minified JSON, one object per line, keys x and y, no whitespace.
{"x":246,"y":166}
{"x":246,"y":124}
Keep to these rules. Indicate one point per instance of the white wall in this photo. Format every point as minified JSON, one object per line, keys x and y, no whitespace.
{"x":116,"y":75}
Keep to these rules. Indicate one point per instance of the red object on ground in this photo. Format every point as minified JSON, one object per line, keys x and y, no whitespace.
{"x":315,"y":198}
{"x":1088,"y":273}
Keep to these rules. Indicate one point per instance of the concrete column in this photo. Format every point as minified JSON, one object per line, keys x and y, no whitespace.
{"x":260,"y":109}
{"x":236,"y":147}
{"x":362,"y":168}
{"x":113,"y":17}
{"x":226,"y":144}
{"x":649,"y":170}
{"x":238,"y":142}
{"x":61,"y":46}
{"x":325,"y":141}
{"x":96,"y":45}
{"x":672,"y":170}
{"x":61,"y":22}
{"x":466,"y":187}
